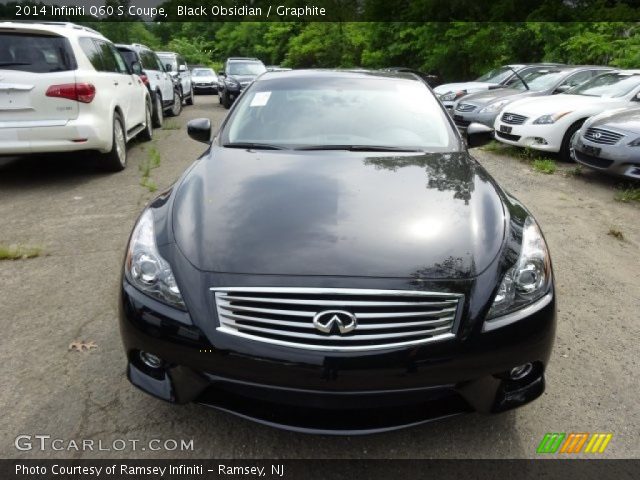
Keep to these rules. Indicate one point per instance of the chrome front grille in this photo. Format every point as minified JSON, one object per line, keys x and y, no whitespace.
{"x":601,"y":136}
{"x":513,"y":118}
{"x":465,"y":107}
{"x":385,"y":318}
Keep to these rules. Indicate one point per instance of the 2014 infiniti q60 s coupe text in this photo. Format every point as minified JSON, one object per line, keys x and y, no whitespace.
{"x":337,"y":262}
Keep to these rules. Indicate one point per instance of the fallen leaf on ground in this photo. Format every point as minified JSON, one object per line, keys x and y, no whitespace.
{"x":82,"y":346}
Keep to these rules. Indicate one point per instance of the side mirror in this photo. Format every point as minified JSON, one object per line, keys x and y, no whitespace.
{"x":168,"y":67}
{"x":636,"y":98}
{"x":136,"y":68}
{"x":221,"y":73}
{"x":200,"y":129}
{"x":562,"y":88}
{"x":478,"y":135}
{"x":182,"y":68}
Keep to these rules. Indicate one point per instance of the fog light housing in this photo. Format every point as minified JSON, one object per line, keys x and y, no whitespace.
{"x":150,"y":360}
{"x":539,"y":141}
{"x":521,"y":371}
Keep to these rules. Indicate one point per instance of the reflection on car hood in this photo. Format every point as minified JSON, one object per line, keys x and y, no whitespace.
{"x":627,"y":119}
{"x":339,"y":213}
{"x":485,"y":98}
{"x":468,"y":86}
{"x":203,"y":78}
{"x":243,"y":78}
{"x":562,"y":102}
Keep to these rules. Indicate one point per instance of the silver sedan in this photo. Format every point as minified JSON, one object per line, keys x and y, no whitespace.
{"x":611,"y":142}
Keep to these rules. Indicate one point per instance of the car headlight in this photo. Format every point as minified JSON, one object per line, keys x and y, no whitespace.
{"x":450,"y":96}
{"x":146,"y":269}
{"x":635,"y":143}
{"x":529,"y":279}
{"x":493,"y":107}
{"x":549,"y":119}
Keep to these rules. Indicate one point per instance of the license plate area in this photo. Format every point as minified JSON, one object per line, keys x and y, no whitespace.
{"x":14,"y":99}
{"x":505,"y":129}
{"x":594,"y":151}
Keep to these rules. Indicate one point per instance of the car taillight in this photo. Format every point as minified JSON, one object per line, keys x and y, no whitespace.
{"x":80,"y":92}
{"x":144,"y":79}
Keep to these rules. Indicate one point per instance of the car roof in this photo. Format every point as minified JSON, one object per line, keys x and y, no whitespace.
{"x":252,"y":59}
{"x":337,"y":73}
{"x":64,"y":29}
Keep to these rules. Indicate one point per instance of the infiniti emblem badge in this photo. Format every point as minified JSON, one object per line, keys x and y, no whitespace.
{"x":597,"y":135}
{"x":509,"y":118}
{"x":328,"y":321}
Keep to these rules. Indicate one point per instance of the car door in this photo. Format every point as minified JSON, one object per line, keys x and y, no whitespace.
{"x":185,"y":75}
{"x":165,"y":80}
{"x":133,"y":89}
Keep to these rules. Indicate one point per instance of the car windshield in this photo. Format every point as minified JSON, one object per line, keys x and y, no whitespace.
{"x":246,"y":68}
{"x":539,"y":80}
{"x":35,"y":53}
{"x":497,"y":75}
{"x":203,"y":72}
{"x":608,"y":85}
{"x":168,"y":59}
{"x":326,"y":112}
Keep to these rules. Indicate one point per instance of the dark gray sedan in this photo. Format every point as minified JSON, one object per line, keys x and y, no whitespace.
{"x":611,"y":142}
{"x":483,"y":107}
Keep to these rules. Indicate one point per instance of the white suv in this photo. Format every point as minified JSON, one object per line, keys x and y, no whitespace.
{"x":67,"y":88}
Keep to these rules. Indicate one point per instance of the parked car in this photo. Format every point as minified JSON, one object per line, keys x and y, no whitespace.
{"x":337,"y":262}
{"x":483,"y":107}
{"x":66,"y":88}
{"x":238,"y":73}
{"x":177,"y":66}
{"x":549,"y":124}
{"x":496,"y":78}
{"x":432,"y":80}
{"x":165,"y":95}
{"x":204,"y":80}
{"x":610,"y":142}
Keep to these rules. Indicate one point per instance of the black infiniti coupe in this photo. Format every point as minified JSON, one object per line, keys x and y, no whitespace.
{"x":337,"y":262}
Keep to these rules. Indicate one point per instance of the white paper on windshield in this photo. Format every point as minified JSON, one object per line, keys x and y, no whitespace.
{"x":260,"y":99}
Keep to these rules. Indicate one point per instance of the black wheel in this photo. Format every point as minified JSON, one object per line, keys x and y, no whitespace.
{"x":226,"y":101}
{"x":176,"y":107}
{"x":158,"y":112}
{"x":220,"y":92}
{"x":190,"y":100}
{"x":566,"y":149}
{"x":147,"y":133}
{"x":116,"y":159}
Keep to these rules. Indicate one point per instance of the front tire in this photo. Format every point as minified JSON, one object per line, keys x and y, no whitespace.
{"x":226,"y":101}
{"x":147,"y":133}
{"x":115,"y":160}
{"x":158,"y":114}
{"x":176,"y":108}
{"x":566,"y":151}
{"x":190,"y":100}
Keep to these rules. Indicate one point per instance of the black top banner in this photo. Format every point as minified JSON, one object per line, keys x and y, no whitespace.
{"x":323,"y":10}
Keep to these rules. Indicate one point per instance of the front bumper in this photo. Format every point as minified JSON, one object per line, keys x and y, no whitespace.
{"x":337,"y":393}
{"x":464,"y":119}
{"x":546,"y":138}
{"x":620,"y":160}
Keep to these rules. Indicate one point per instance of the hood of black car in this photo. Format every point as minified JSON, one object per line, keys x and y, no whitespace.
{"x":339,"y":213}
{"x":243,"y":78}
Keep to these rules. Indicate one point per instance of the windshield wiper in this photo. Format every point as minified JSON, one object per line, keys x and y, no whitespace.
{"x":520,"y":78}
{"x":254,"y":146}
{"x":358,"y":148}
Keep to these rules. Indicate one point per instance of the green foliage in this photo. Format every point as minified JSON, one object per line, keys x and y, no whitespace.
{"x":544,"y":165}
{"x":18,"y":252}
{"x":453,"y":50}
{"x":628,"y":195}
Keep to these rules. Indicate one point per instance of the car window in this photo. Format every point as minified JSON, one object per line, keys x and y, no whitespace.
{"x":120,"y":63}
{"x":92,"y":52}
{"x":169,"y":60}
{"x":497,"y":75}
{"x":246,"y":68}
{"x":110,"y":63}
{"x":157,"y":62}
{"x":337,"y":111}
{"x":35,"y":53}
{"x":129,"y":56}
{"x":577,"y":79}
{"x":608,"y":85}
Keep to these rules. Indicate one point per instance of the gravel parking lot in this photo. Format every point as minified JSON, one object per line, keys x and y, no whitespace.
{"x":81,"y":218}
